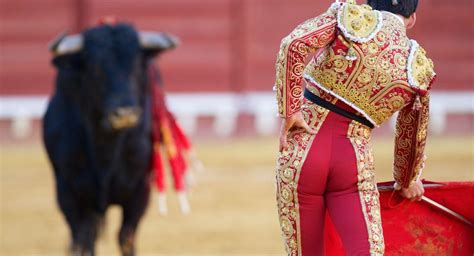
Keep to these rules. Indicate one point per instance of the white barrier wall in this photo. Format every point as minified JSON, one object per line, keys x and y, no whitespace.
{"x":225,"y":108}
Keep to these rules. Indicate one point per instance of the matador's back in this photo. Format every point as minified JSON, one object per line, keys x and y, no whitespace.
{"x":366,"y":60}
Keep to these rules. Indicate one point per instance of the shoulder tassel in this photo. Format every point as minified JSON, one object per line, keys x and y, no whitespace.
{"x":417,"y":103}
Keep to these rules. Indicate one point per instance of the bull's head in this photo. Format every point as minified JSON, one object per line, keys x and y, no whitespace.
{"x":106,"y":69}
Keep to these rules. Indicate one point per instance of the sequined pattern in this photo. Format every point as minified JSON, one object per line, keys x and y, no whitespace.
{"x":359,"y":136}
{"x":288,"y":171}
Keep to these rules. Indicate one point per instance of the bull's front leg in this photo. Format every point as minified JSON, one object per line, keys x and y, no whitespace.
{"x":83,"y":243}
{"x":133,"y":210}
{"x":78,"y":207}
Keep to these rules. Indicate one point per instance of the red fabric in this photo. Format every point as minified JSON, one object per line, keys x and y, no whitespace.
{"x":166,"y":132}
{"x":179,"y":134}
{"x":159,"y":171}
{"x":328,"y":181}
{"x":108,"y":20}
{"x":417,"y":228}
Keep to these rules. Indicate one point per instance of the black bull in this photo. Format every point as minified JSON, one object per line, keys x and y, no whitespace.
{"x":97,"y":129}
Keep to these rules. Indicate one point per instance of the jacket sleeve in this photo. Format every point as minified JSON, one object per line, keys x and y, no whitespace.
{"x":303,"y":40}
{"x":410,"y":140}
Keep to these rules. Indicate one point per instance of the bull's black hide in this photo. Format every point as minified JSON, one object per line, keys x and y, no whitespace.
{"x":97,"y":132}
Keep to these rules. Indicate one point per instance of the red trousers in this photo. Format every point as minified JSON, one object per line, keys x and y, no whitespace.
{"x":330,"y":171}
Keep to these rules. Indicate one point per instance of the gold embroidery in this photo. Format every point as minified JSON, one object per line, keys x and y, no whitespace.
{"x":420,"y":68}
{"x":359,"y":135}
{"x":400,"y":60}
{"x":381,"y":38}
{"x":287,"y":176}
{"x":373,"y":48}
{"x":410,"y":140}
{"x":378,"y":72}
{"x":306,"y":38}
{"x":358,"y":23}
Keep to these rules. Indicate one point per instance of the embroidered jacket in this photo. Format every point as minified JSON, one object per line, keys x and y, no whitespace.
{"x":366,"y":60}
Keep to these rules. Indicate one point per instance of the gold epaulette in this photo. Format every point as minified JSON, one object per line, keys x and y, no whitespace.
{"x":420,"y":68}
{"x":359,"y":23}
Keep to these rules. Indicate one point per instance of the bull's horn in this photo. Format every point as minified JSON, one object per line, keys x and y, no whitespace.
{"x":55,"y":42}
{"x":67,"y":45}
{"x":159,"y":41}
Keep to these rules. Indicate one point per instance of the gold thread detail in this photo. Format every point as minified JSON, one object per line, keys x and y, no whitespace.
{"x":359,"y":137}
{"x":288,"y":172}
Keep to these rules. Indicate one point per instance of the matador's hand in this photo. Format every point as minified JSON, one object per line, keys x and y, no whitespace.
{"x":414,"y":192}
{"x":296,"y":121}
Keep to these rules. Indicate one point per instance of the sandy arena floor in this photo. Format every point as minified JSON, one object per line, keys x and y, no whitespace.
{"x":234,"y":210}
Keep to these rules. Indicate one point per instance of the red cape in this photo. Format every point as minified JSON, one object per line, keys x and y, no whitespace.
{"x":418,"y":228}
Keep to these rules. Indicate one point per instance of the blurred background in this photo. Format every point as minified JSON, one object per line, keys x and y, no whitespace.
{"x":219,"y":84}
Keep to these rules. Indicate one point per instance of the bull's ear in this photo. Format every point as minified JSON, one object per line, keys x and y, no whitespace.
{"x":154,"y":43}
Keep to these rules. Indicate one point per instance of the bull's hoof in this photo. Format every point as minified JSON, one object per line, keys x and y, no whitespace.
{"x":76,"y":250}
{"x":127,"y":248}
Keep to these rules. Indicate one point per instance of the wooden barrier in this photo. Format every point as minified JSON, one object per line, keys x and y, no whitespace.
{"x":225,"y":108}
{"x":227,"y":45}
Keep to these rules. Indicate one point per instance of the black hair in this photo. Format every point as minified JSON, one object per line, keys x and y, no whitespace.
{"x":402,"y":7}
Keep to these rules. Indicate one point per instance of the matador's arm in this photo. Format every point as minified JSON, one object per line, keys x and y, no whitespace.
{"x":412,"y":121}
{"x":305,"y":39}
{"x":410,"y":140}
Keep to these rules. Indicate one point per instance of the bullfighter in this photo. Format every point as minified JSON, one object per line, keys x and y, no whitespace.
{"x":364,"y":70}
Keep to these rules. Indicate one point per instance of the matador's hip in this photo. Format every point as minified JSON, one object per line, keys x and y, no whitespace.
{"x":331,"y":171}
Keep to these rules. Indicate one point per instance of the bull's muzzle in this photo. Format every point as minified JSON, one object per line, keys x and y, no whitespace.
{"x":124,"y":117}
